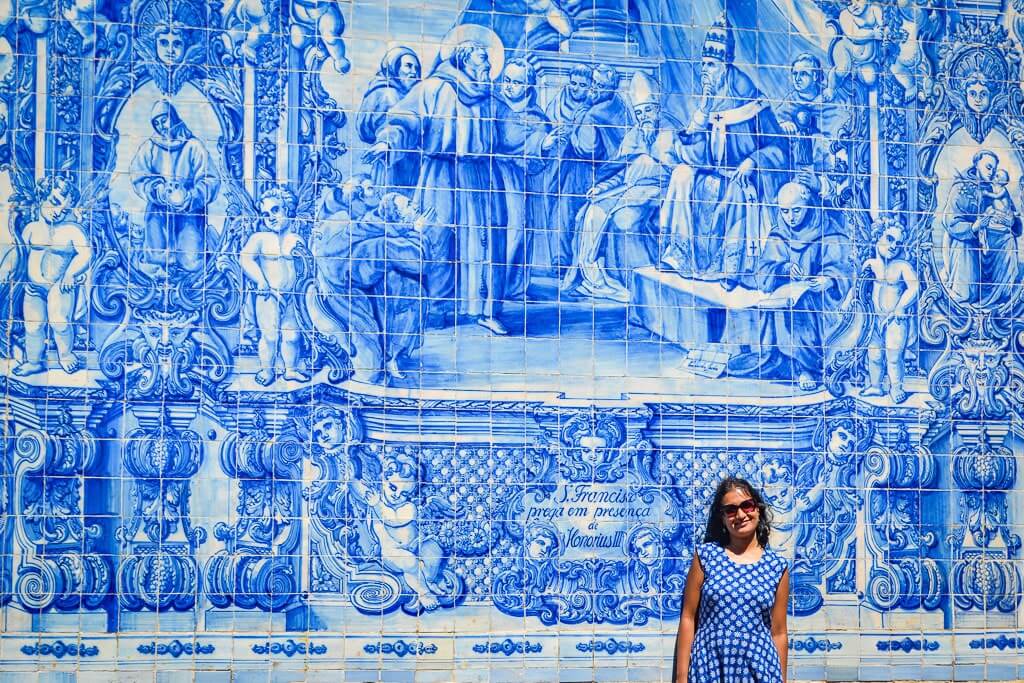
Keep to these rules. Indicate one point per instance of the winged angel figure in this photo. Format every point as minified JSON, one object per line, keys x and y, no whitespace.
{"x":272,"y":313}
{"x":394,"y":514}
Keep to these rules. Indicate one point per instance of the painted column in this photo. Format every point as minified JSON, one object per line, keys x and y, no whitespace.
{"x":60,"y":578}
{"x":984,"y":580}
{"x":159,"y":572}
{"x":42,"y":98}
{"x":259,"y":567}
{"x":603,"y":24}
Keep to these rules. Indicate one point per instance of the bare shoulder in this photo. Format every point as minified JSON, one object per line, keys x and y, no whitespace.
{"x":69,"y":231}
{"x":906,"y":269}
{"x":31,"y":232}
{"x":874,"y":264}
{"x":255,"y":241}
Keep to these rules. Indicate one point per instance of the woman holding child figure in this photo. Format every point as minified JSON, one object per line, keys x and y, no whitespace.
{"x":733,"y":625}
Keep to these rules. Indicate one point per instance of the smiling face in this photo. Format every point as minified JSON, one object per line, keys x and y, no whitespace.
{"x":742,"y":524}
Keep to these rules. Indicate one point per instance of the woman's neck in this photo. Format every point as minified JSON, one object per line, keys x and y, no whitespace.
{"x":739,"y":545}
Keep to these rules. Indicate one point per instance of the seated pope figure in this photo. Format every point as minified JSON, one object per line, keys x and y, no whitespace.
{"x":715,"y":214}
{"x":616,"y":230}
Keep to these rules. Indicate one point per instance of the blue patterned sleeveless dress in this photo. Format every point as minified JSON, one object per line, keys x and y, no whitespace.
{"x":733,"y":643}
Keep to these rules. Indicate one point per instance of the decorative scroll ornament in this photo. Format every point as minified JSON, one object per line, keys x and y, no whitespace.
{"x":902,"y":575}
{"x":61,"y":569}
{"x":260,"y":564}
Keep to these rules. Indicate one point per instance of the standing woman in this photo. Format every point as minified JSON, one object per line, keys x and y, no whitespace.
{"x":733,"y":625}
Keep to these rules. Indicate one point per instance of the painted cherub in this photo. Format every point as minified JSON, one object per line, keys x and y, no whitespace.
{"x":893,"y":287}
{"x":59,"y":255}
{"x":268,"y":258}
{"x":856,"y":52}
{"x":547,"y":15}
{"x":919,"y":22}
{"x":85,"y":18}
{"x":250,"y":16}
{"x":320,"y":18}
{"x":394,"y":514}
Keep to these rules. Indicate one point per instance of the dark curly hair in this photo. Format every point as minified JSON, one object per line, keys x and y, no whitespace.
{"x":716,"y":531}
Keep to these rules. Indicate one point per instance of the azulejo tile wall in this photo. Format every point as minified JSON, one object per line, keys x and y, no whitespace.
{"x":412,"y":337}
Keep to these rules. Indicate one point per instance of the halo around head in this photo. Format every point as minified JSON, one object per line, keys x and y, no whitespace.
{"x":478,"y":34}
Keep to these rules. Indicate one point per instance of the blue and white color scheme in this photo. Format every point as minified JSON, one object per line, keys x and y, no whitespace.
{"x":353,"y":335}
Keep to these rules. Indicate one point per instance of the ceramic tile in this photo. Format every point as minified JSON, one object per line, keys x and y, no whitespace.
{"x":412,"y":339}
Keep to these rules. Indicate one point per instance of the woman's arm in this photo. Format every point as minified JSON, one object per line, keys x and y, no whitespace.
{"x":688,"y":619}
{"x":779,"y":632}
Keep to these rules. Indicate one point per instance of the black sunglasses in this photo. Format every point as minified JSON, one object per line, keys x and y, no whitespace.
{"x":748,"y":506}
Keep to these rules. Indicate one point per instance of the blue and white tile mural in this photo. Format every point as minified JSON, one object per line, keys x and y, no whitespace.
{"x":388,"y":335}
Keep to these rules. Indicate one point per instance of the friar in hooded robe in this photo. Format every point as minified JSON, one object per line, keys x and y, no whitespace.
{"x":399,"y":71}
{"x":175,"y":175}
{"x":369,"y":281}
{"x":593,"y":141}
{"x":459,"y":126}
{"x":806,"y":245}
{"x":571,"y":173}
{"x":530,"y":144}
